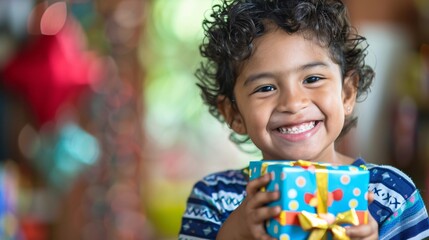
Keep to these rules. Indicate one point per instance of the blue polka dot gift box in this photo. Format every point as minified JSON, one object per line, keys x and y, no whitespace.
{"x":317,"y":199}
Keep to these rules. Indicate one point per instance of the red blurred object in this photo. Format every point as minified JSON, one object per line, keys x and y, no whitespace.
{"x":52,"y":70}
{"x":33,"y":229}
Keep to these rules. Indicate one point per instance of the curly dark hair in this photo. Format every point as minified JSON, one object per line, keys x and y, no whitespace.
{"x":234,"y":24}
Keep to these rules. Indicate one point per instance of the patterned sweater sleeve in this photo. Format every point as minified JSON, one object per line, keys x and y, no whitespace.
{"x":398,"y":206}
{"x":210,"y":203}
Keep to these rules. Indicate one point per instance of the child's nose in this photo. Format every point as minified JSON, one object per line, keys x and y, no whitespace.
{"x":292,"y":100}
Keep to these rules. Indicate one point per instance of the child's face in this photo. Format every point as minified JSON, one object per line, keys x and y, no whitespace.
{"x":290,"y":99}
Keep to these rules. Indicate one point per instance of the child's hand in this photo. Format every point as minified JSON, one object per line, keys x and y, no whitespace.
{"x":248,"y":220}
{"x":365,"y":231}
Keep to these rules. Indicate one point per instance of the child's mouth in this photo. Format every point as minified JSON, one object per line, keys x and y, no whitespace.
{"x":297,"y":129}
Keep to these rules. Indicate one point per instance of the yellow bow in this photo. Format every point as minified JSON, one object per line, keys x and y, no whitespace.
{"x":319,"y":226}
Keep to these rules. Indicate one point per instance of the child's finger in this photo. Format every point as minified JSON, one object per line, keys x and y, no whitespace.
{"x":370,"y":197}
{"x":261,"y":234}
{"x":255,"y":185}
{"x":264,"y":213}
{"x":258,"y":232}
{"x":267,"y":237}
{"x":364,"y":231}
{"x":262,"y":198}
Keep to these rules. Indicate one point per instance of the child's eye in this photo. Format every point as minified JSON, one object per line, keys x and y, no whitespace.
{"x":266,"y":88}
{"x":312,"y":79}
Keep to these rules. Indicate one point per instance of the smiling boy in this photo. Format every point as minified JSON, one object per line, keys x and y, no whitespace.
{"x":299,"y":95}
{"x":286,"y":74}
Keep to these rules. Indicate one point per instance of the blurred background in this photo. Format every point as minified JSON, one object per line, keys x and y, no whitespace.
{"x":103,"y":132}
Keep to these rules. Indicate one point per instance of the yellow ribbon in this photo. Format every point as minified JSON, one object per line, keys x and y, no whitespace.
{"x":304,"y":163}
{"x":322,"y":184}
{"x":319,"y":226}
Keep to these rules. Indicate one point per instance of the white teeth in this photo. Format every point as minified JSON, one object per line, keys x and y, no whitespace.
{"x":298,"y":129}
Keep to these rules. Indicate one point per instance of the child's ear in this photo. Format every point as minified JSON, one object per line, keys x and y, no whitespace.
{"x":231,"y":114}
{"x":349,"y":93}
